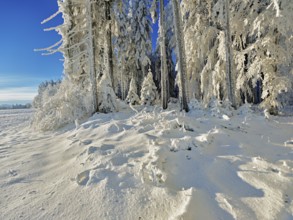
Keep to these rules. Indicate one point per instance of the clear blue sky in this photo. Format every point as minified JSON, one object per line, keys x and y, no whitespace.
{"x":22,"y":69}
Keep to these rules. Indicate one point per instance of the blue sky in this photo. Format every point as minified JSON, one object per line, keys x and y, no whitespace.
{"x":22,"y":69}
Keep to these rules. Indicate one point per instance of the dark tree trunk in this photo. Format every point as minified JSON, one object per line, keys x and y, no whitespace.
{"x":164,"y":68}
{"x":93,"y":74}
{"x":229,"y":57}
{"x":109,"y":41}
{"x":180,"y":53}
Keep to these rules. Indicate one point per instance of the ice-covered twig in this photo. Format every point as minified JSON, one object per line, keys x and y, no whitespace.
{"x":51,"y":17}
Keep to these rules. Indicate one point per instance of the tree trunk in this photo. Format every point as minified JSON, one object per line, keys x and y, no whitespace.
{"x":164,"y":69}
{"x":109,"y":41}
{"x":93,"y":74}
{"x":180,"y":53}
{"x":229,"y":56}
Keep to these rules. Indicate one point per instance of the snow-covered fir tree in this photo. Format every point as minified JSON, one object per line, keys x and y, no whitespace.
{"x":251,"y":28}
{"x":263,"y":50}
{"x":201,"y":49}
{"x":122,"y":43}
{"x":141,"y":32}
{"x":148,"y":92}
{"x":106,"y":96}
{"x":83,"y":34}
{"x":132,"y":96}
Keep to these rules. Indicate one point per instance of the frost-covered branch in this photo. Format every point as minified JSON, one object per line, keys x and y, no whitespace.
{"x":51,"y":17}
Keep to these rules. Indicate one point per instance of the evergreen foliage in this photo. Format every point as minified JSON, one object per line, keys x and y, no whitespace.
{"x":148,"y":90}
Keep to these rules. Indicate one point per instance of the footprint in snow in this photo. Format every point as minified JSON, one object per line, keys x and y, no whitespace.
{"x":106,"y":149}
{"x":82,"y":178}
{"x":86,"y":142}
{"x":286,"y":199}
{"x":91,"y":150}
{"x":119,"y":161}
{"x":136,"y":155}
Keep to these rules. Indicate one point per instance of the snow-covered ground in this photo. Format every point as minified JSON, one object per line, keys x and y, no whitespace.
{"x":145,"y":163}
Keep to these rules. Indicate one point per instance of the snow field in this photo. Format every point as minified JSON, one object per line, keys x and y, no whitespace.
{"x":154,"y":164}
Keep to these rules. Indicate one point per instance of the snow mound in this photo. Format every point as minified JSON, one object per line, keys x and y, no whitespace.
{"x":62,"y":106}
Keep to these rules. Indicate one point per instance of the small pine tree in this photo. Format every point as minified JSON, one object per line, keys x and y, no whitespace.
{"x":106,"y":95}
{"x":148,"y":90}
{"x":132,"y":96}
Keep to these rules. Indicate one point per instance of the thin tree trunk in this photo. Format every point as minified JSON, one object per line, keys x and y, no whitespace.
{"x":164,"y":69}
{"x":93,"y":74}
{"x":69,"y":55}
{"x":109,"y":41}
{"x":229,"y":56}
{"x":181,"y":53}
{"x":121,"y":85}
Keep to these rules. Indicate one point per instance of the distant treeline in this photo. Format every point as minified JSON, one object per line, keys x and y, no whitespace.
{"x":16,"y":106}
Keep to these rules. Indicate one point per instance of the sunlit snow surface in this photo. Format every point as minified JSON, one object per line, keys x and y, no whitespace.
{"x":11,"y":118}
{"x":152,"y":164}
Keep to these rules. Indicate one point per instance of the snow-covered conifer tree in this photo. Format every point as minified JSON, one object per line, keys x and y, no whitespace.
{"x":141,"y":33}
{"x":132,"y":96}
{"x":82,"y":35}
{"x":148,"y":92}
{"x":263,"y":50}
{"x":106,"y":96}
{"x":123,"y":46}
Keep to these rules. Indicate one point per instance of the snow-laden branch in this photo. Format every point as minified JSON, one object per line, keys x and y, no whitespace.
{"x":51,"y":52}
{"x":51,"y":47}
{"x":53,"y":28}
{"x":277,"y":8}
{"x":73,"y":33}
{"x":275,"y":3}
{"x":51,"y":17}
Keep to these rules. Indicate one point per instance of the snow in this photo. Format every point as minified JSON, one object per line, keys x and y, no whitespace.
{"x":149,"y":164}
